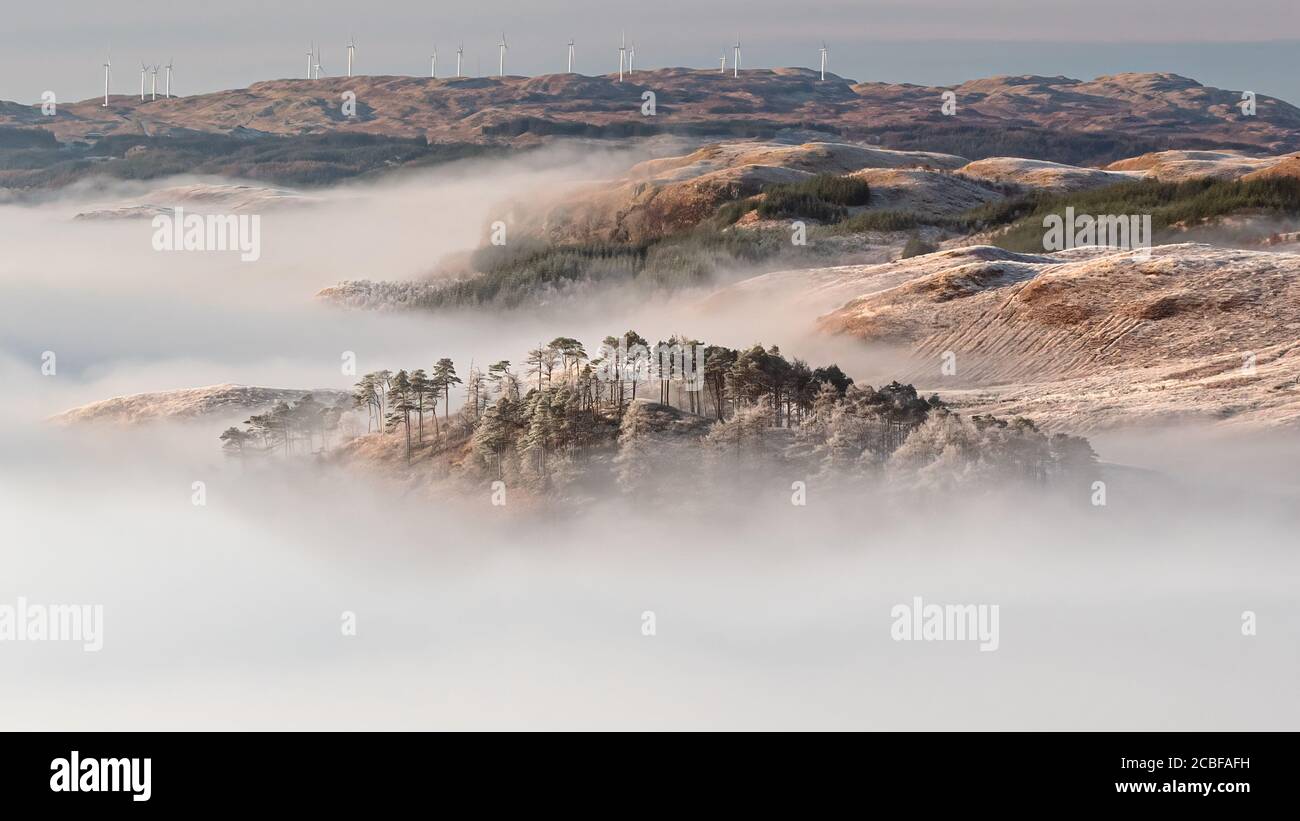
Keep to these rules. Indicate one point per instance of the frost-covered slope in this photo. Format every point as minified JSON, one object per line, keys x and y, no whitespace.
{"x":1089,"y":338}
{"x":189,"y":404}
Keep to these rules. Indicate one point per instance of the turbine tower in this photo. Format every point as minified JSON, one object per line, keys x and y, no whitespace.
{"x":317,"y":66}
{"x":311,"y":55}
{"x":622,"y":56}
{"x":143,"y":69}
{"x":631,"y":59}
{"x":168,"y":91}
{"x":352,"y":50}
{"x":460,"y":53}
{"x":723,"y":63}
{"x":433,"y":63}
{"x":823,"y":60}
{"x":153,"y":83}
{"x":570,"y":55}
{"x":735,"y":67}
{"x":501,"y":56}
{"x":108,"y":69}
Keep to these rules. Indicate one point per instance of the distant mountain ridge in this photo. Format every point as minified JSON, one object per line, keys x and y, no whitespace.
{"x":1166,"y":110}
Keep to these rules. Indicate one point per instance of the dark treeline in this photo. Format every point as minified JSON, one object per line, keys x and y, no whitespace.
{"x":1170,"y":204}
{"x":822,"y":197}
{"x":528,"y":270}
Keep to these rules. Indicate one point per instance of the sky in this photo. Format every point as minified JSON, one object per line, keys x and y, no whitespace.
{"x":60,"y":45}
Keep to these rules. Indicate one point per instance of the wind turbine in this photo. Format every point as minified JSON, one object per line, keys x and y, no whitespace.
{"x":352,"y":50}
{"x":169,"y":77}
{"x":153,"y":88}
{"x":311,"y":55}
{"x":570,"y":55}
{"x":433,"y":63}
{"x":631,"y":59}
{"x":723,"y":63}
{"x":460,"y":53}
{"x":108,"y":68}
{"x":735,"y":68}
{"x":317,"y":77}
{"x":143,"y":68}
{"x":823,"y":60}
{"x":622,"y":54}
{"x":501,"y":56}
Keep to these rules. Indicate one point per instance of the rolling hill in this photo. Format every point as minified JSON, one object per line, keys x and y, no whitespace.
{"x":1057,"y":119}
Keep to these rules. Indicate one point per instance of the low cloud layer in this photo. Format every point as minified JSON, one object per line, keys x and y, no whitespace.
{"x":229,"y":613}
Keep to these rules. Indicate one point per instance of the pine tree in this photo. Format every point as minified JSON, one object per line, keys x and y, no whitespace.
{"x":504,"y":382}
{"x":401,"y":406}
{"x":444,"y":376}
{"x":476,"y":392}
{"x":570,"y":351}
{"x":638,"y":369}
{"x":363,"y":396}
{"x":420,"y":389}
{"x":235,"y":440}
{"x":280,"y":425}
{"x":306,"y":418}
{"x":717,"y":363}
{"x":495,"y":435}
{"x":541,"y":363}
{"x":539,"y":439}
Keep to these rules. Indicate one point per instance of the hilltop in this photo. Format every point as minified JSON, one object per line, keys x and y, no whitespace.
{"x":1049,"y":118}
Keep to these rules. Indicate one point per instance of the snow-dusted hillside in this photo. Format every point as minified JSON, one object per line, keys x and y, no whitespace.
{"x":199,"y":198}
{"x":1086,"y":339}
{"x":189,"y":404}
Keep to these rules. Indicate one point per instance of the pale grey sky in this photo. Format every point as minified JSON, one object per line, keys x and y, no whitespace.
{"x":59,"y":45}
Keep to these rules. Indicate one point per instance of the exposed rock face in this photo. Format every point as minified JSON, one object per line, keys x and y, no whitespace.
{"x":189,"y":404}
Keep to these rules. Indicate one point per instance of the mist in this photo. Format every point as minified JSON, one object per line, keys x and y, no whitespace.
{"x":470,"y":616}
{"x":769,"y":615}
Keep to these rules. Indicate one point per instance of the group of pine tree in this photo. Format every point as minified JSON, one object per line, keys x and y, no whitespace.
{"x":638,"y":411}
